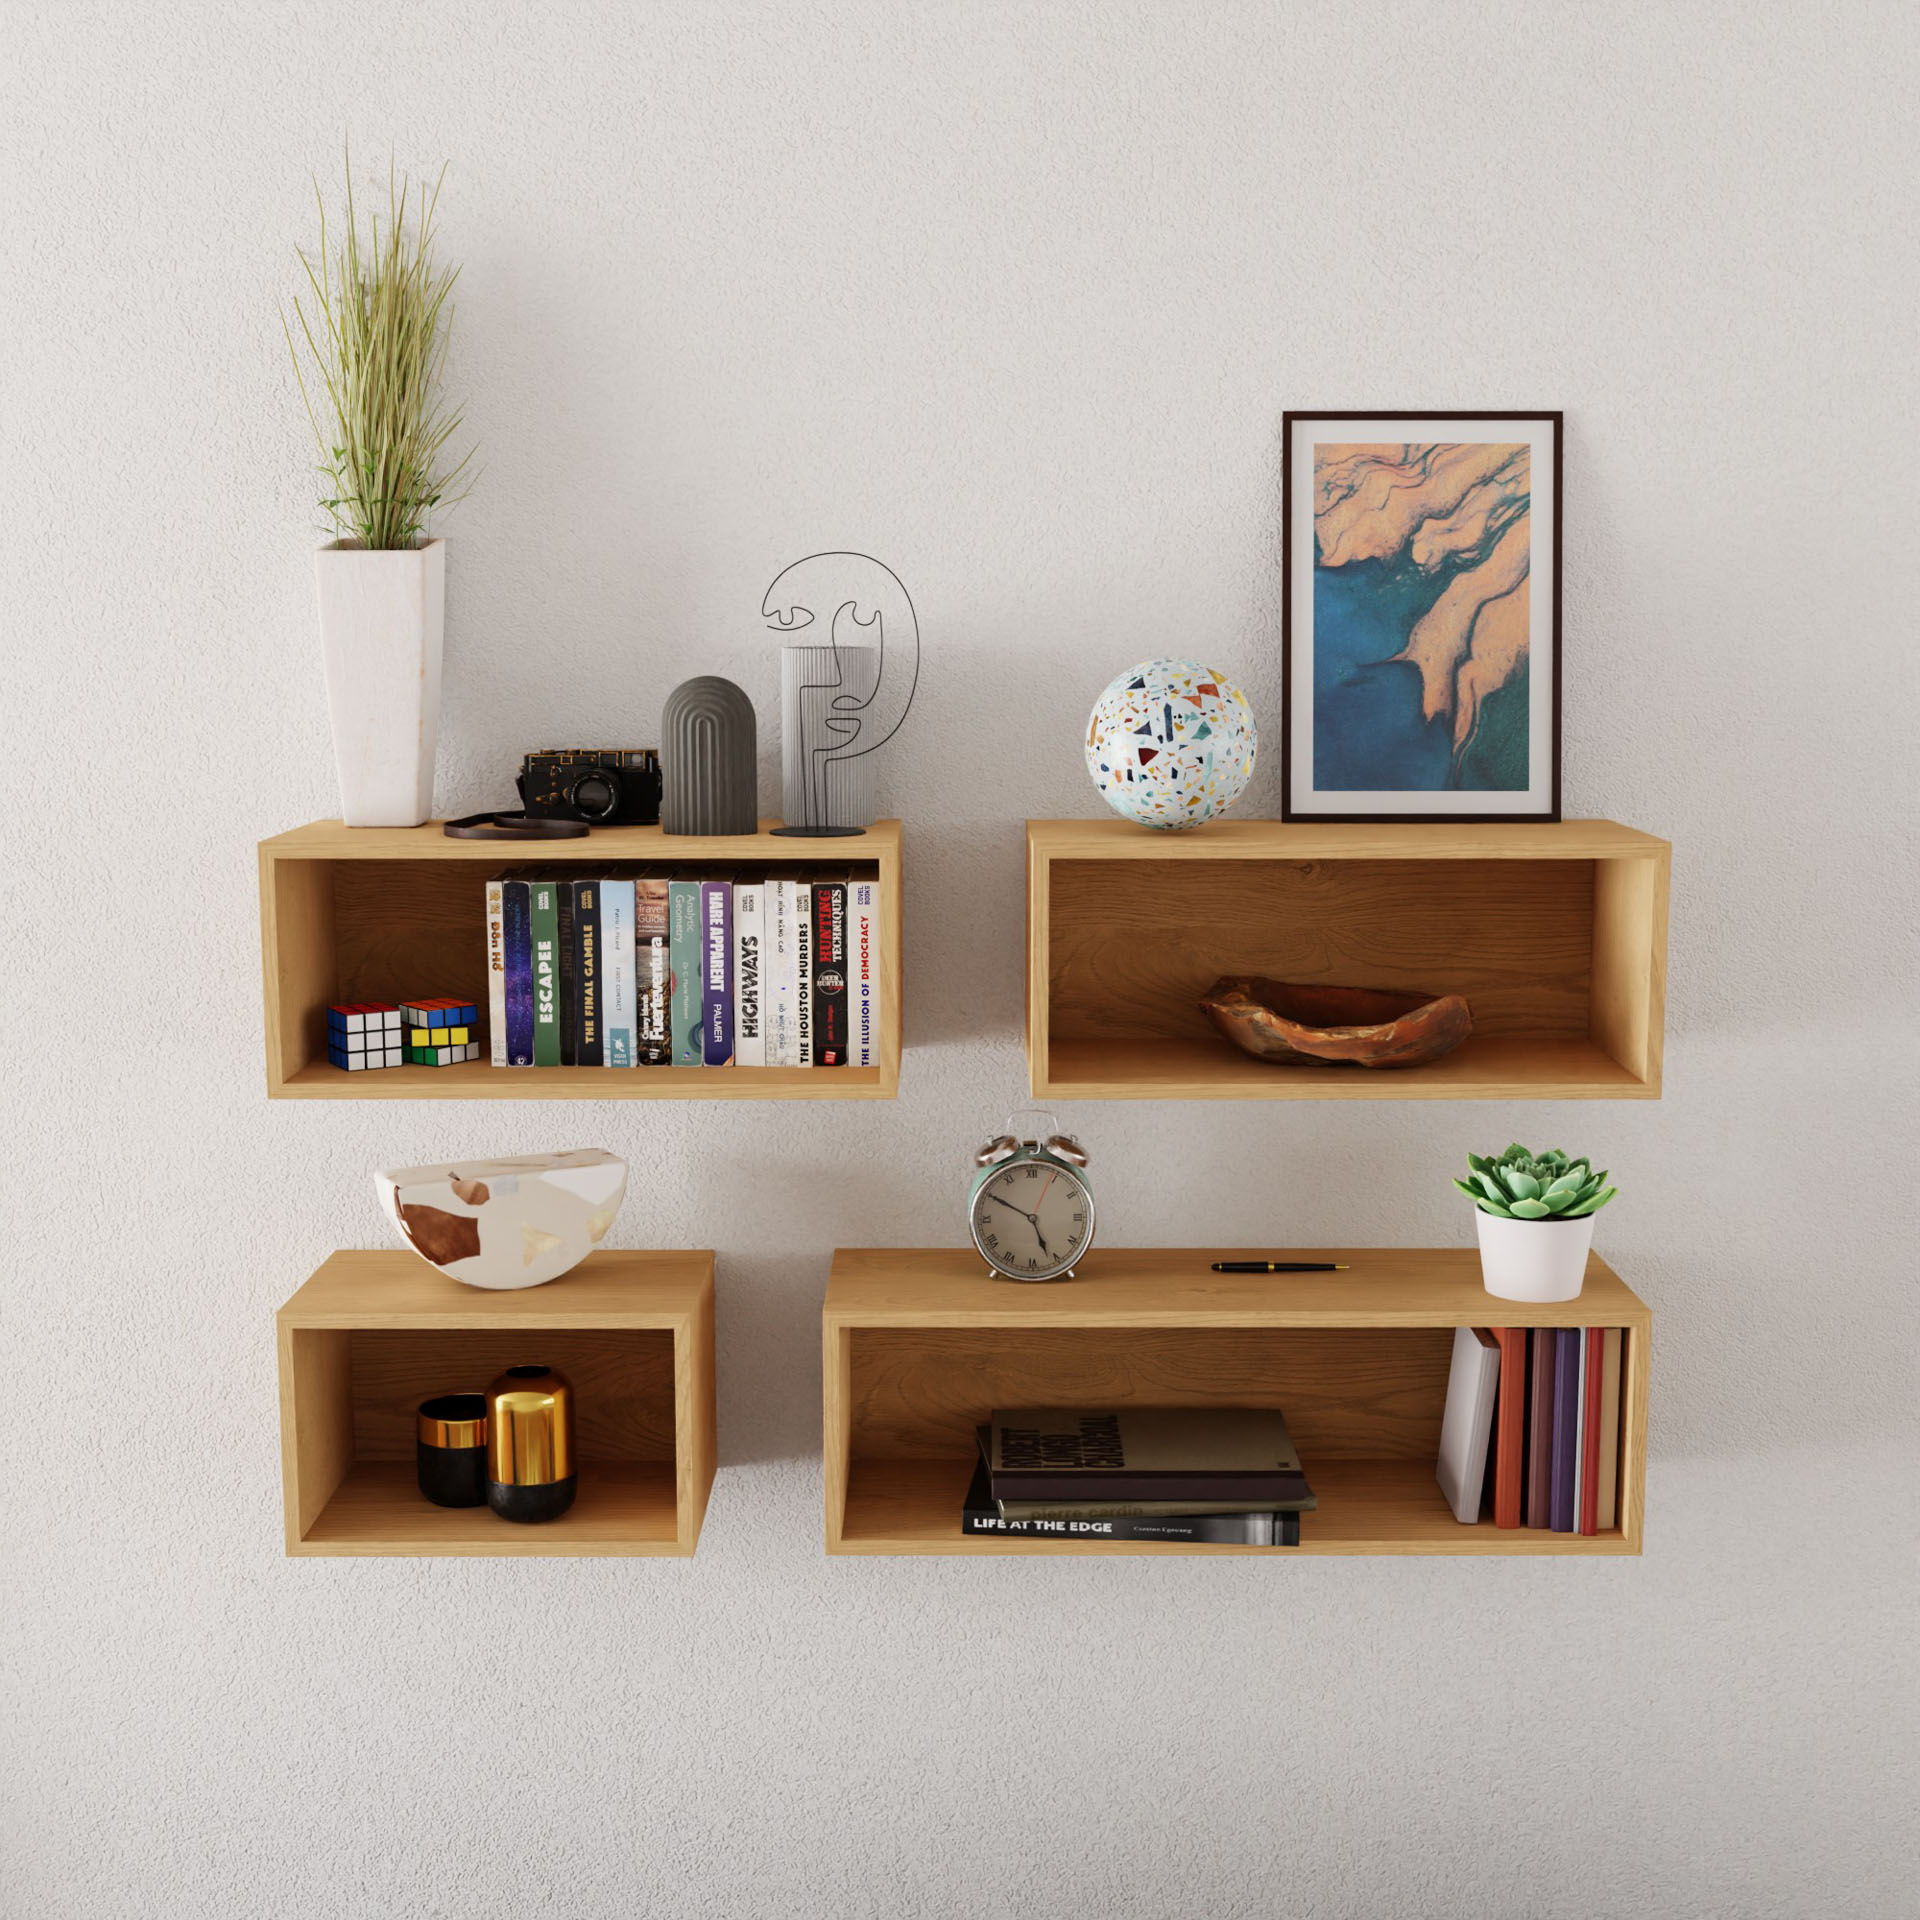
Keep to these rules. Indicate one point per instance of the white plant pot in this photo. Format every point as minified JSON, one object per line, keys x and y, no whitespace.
{"x":382,"y":616}
{"x":1537,"y":1260}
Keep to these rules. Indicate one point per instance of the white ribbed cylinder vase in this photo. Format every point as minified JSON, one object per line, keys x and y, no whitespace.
{"x":818,"y":789}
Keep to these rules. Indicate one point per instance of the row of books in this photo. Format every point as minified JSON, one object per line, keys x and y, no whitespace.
{"x":631,"y":969}
{"x":1532,"y":1427}
{"x":1224,"y":1476}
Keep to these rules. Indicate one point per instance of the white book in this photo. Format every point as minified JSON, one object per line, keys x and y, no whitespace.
{"x":863,"y":971}
{"x":749,"y":974}
{"x":496,"y":973}
{"x":803,"y":973}
{"x":778,"y":992}
{"x":1467,"y":1424}
{"x":619,"y":974}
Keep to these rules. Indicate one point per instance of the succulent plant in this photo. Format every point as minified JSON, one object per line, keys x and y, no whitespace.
{"x":1535,"y":1186}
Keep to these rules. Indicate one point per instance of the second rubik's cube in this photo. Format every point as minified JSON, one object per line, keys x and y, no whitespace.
{"x":439,"y":1033}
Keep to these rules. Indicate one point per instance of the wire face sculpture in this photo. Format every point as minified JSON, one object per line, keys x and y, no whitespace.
{"x":845,"y":689}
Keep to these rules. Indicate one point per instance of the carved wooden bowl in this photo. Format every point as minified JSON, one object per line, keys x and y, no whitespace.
{"x":1314,"y":1026}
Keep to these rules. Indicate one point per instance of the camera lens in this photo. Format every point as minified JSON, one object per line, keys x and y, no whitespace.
{"x":595,"y":795}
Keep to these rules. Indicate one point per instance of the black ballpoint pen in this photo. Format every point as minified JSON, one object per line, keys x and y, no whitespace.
{"x":1280,"y":1266}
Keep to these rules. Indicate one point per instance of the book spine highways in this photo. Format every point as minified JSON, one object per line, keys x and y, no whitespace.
{"x":863,"y":972}
{"x":749,"y":1004}
{"x":544,"y":920}
{"x":617,"y":962}
{"x":517,"y":939}
{"x":589,"y":1039}
{"x":653,"y":959}
{"x":496,"y":973}
{"x":830,"y":973}
{"x":683,"y":904}
{"x":716,"y":973}
{"x":1510,"y":1427}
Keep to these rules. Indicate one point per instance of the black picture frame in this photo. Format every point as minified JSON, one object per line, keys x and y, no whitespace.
{"x":1358,"y":419}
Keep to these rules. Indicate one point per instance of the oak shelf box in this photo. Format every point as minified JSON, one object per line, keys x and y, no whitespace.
{"x":392,"y":913}
{"x":1556,"y":934}
{"x":371,"y":1335}
{"x":920,"y":1346}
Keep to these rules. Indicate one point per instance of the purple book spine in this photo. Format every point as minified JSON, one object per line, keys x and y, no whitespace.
{"x":716,"y":985}
{"x":1566,"y":1423}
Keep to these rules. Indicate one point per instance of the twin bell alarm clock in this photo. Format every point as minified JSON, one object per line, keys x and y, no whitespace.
{"x":1030,"y":1210}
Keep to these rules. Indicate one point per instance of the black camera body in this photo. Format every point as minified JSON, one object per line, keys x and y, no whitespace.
{"x":604,"y":786}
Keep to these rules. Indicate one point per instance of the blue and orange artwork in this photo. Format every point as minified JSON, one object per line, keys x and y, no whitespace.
{"x":1421,"y":618}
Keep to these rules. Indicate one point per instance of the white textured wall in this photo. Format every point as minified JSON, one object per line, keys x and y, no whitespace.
{"x":1013,"y":297}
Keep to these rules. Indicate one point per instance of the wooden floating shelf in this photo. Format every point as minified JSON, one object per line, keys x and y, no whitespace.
{"x":920,"y":1346}
{"x":371,"y":1335}
{"x":392,"y":913}
{"x":1556,"y":934}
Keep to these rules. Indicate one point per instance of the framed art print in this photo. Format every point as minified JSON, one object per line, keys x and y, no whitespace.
{"x":1420,"y":616}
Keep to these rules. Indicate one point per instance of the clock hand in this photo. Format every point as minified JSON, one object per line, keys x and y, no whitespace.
{"x":1032,"y":1220}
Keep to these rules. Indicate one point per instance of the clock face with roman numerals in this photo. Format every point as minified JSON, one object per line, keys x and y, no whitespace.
{"x":1032,"y":1219}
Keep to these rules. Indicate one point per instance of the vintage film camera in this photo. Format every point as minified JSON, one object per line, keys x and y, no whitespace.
{"x":604,"y":786}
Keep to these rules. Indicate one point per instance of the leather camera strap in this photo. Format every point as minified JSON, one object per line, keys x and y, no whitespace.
{"x":513,"y":826}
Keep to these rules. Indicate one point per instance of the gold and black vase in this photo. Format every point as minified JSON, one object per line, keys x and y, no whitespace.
{"x":450,"y":1449}
{"x":530,"y":1474}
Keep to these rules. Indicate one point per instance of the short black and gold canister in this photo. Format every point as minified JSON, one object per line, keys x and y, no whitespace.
{"x":450,"y":1449}
{"x":530,"y":1472}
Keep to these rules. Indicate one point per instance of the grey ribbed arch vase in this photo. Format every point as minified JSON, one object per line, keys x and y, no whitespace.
{"x":709,"y":759}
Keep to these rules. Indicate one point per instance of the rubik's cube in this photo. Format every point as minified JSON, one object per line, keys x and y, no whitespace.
{"x":440,"y":1033}
{"x":364,"y":1035}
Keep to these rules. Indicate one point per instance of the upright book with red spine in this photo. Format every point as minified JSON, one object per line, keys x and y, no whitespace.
{"x":1510,"y":1428}
{"x":830,"y":973}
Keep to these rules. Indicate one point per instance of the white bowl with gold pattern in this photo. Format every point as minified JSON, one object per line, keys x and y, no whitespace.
{"x":517,"y":1222}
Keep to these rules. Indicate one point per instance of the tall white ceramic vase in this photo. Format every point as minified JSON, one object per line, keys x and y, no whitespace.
{"x":382,"y":617}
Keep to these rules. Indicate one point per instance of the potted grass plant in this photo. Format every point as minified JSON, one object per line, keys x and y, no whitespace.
{"x":374,"y":322}
{"x":1535,"y":1217}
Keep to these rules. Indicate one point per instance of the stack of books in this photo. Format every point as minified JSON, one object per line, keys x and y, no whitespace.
{"x":1532,"y":1427}
{"x":632,"y":969}
{"x":1223,"y":1476}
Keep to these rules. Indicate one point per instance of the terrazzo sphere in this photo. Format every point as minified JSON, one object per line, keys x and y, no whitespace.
{"x":1171,"y":744}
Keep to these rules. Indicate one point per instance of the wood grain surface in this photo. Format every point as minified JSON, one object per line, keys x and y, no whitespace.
{"x":1366,"y":1507}
{"x":394,"y":1287}
{"x":1134,"y":949}
{"x":622,"y":1508}
{"x":622,"y":1383}
{"x":1109,"y":838}
{"x":1175,"y":1287}
{"x":1503,"y":1067}
{"x":1348,"y":1394}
